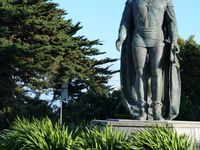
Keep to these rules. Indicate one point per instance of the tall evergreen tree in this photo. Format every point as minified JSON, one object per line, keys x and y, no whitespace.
{"x":39,"y":50}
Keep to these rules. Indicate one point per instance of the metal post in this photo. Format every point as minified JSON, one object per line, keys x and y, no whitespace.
{"x":61,"y":115}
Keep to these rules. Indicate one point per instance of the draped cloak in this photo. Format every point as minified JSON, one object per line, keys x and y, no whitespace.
{"x":171,"y":91}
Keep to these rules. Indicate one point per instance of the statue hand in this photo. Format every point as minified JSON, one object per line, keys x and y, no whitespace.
{"x":175,"y":47}
{"x":118,"y":44}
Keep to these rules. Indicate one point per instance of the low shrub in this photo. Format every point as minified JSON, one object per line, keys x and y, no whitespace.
{"x":36,"y":135}
{"x":158,"y":138}
{"x":101,"y":139}
{"x":44,"y":135}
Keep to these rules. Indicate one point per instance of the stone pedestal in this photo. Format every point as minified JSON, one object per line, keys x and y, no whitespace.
{"x":189,"y":128}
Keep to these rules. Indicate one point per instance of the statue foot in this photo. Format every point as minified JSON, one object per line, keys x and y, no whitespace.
{"x":157,"y":112}
{"x":143,"y":116}
{"x":150,"y":114}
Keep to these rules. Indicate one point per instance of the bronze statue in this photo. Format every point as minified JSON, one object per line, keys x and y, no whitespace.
{"x":150,"y":78}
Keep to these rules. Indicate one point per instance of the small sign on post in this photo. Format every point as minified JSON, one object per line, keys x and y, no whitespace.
{"x":64,"y":97}
{"x":64,"y":91}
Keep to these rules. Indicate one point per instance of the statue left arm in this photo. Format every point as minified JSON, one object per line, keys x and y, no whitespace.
{"x":172,"y":26}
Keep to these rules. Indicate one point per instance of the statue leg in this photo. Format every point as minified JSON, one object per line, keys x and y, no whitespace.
{"x":139,"y":57}
{"x":156,"y":58}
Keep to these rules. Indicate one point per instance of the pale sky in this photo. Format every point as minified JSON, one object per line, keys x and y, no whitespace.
{"x":100,"y":20}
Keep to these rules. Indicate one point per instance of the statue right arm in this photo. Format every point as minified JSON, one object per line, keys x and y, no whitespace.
{"x":124,"y":24}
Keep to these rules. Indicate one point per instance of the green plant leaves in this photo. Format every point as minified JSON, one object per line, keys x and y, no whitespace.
{"x":159,"y":138}
{"x":101,"y":139}
{"x":37,"y":135}
{"x":45,"y":135}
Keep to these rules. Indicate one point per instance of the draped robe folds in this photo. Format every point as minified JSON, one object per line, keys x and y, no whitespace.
{"x":170,"y":70}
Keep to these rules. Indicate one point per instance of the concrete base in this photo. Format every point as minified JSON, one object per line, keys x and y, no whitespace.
{"x":189,"y":128}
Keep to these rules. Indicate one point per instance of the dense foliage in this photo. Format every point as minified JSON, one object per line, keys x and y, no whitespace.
{"x":39,"y":50}
{"x":190,"y":78}
{"x":44,"y":135}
